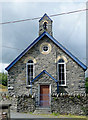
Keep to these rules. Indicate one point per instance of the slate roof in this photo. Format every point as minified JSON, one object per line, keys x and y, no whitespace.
{"x":56,"y":42}
{"x":44,"y":16}
{"x":44,"y":71}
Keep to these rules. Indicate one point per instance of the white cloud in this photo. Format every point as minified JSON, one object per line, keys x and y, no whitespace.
{"x":2,"y":67}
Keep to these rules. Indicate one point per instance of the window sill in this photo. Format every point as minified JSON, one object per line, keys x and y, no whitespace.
{"x":10,"y":88}
{"x":62,"y":85}
{"x":28,"y":86}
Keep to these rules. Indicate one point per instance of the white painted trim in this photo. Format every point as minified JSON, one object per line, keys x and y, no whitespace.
{"x":29,"y":86}
{"x":27,"y":71}
{"x":10,"y":88}
{"x":50,"y":94}
{"x":39,"y":92}
{"x":49,"y":48}
{"x":26,"y":75}
{"x":64,"y":72}
{"x":43,"y":49}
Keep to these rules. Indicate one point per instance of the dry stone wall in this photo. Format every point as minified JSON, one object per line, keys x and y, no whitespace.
{"x":60,"y":103}
{"x":69,"y":104}
{"x":25,"y":104}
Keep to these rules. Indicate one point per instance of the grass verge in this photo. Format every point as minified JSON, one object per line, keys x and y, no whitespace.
{"x":3,"y":88}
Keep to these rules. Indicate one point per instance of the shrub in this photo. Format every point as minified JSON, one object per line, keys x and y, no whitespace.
{"x":3,"y":79}
{"x":86,"y":85}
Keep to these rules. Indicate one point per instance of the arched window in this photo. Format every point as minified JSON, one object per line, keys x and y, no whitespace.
{"x":45,"y":25}
{"x":30,"y":71}
{"x":61,"y":72}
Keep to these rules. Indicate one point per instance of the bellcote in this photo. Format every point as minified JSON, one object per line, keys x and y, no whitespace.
{"x":45,"y":24}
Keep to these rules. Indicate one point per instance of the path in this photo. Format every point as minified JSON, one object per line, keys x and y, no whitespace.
{"x":27,"y":116}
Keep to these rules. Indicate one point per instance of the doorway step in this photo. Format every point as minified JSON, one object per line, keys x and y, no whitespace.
{"x":42,"y":111}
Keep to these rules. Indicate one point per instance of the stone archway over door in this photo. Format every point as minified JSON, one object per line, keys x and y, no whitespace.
{"x":44,"y":96}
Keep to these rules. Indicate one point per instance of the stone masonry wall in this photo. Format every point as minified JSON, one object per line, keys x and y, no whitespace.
{"x":75,"y":76}
{"x":44,"y":79}
{"x":69,"y":104}
{"x":25,"y":103}
{"x":4,"y":97}
{"x":41,"y":29}
{"x":62,"y":104}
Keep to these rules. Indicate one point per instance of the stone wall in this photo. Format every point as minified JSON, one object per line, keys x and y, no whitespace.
{"x":6,"y":98}
{"x":41,"y":29}
{"x":25,"y":103}
{"x":69,"y":104}
{"x":44,"y":79}
{"x":75,"y":75}
{"x":60,"y":103}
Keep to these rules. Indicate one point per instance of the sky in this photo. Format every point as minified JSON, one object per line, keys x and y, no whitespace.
{"x":69,"y":30}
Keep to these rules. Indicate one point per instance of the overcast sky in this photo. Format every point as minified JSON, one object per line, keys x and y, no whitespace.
{"x":69,"y":30}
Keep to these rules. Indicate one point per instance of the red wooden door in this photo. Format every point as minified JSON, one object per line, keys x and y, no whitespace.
{"x":44,"y":95}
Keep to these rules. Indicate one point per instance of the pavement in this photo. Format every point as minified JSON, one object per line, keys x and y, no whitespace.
{"x":28,"y":116}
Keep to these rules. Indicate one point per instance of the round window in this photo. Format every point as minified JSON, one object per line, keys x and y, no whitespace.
{"x":45,"y":48}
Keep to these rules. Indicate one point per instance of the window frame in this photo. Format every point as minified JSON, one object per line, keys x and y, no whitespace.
{"x":64,"y":72}
{"x":47,"y":49}
{"x":27,"y":72}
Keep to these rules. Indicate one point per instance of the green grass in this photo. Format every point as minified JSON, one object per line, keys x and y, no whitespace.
{"x":3,"y":88}
{"x":72,"y":116}
{"x":57,"y":115}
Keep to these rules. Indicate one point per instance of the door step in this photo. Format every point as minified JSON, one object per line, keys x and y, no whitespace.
{"x":42,"y":111}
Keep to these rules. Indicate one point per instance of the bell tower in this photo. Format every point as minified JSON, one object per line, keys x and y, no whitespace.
{"x":45,"y":24}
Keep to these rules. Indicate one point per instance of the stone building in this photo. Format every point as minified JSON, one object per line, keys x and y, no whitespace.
{"x":46,"y":67}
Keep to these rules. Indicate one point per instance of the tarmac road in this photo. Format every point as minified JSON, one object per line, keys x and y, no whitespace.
{"x":27,"y":116}
{"x":48,"y":119}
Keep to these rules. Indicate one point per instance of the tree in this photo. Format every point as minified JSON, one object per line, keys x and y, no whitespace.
{"x":3,"y":79}
{"x":86,"y":85}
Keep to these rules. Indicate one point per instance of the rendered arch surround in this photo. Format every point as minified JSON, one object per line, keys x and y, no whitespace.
{"x":45,"y":44}
{"x":45,"y":21}
{"x":30,"y":58}
{"x":45,"y":25}
{"x":61,"y":57}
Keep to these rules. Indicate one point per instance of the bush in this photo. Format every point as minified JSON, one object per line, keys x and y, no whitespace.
{"x":86,"y":85}
{"x":3,"y":79}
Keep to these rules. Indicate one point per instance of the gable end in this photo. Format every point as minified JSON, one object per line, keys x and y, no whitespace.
{"x":56,"y":42}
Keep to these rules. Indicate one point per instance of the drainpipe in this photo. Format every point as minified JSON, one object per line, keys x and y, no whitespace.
{"x":57,"y":87}
{"x":31,"y":87}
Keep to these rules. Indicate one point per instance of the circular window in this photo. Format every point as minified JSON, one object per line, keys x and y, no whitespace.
{"x":45,"y":48}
